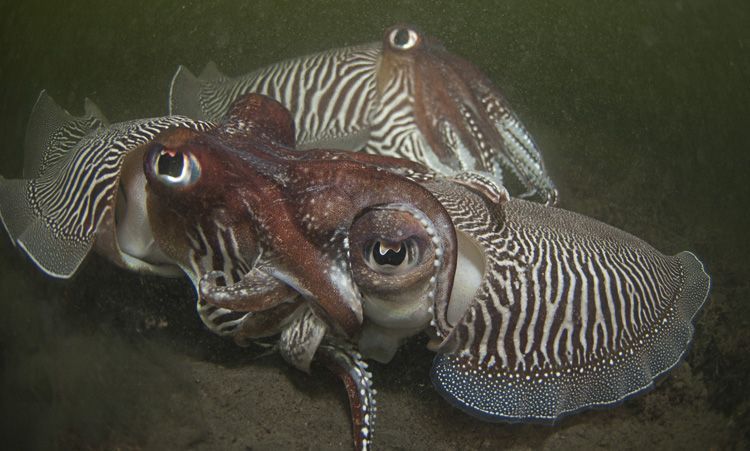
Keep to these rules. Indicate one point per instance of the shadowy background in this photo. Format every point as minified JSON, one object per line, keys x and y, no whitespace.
{"x":642,"y":110}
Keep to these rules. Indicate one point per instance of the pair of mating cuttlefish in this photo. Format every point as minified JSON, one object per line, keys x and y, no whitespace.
{"x":534,"y":312}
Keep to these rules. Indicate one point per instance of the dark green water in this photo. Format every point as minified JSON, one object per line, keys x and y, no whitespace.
{"x":642,"y":110}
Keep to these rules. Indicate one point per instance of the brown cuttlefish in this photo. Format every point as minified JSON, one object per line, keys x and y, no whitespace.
{"x":535,"y":312}
{"x":273,"y":239}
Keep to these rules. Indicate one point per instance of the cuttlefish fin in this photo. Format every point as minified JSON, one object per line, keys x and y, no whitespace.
{"x":186,"y":90}
{"x":184,"y":94}
{"x":497,"y":394}
{"x":212,"y":73}
{"x":28,"y":231}
{"x":67,"y":198}
{"x":52,"y":132}
{"x":92,"y":110}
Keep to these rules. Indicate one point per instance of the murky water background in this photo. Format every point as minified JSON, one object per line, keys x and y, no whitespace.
{"x":641,"y":108}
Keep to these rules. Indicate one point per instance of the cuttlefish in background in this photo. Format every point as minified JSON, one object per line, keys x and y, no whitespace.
{"x":406,"y":96}
{"x":534,"y":312}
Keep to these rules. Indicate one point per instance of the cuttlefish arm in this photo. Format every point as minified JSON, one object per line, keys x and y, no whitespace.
{"x":304,"y":339}
{"x":253,"y":210}
{"x":382,"y":229}
{"x":238,"y":211}
{"x":348,"y":365}
{"x":77,"y":195}
{"x":255,"y":292}
{"x":568,"y":313}
{"x":301,"y":341}
{"x":450,"y":117}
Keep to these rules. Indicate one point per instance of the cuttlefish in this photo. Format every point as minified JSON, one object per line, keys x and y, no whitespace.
{"x":534,"y":312}
{"x":231,"y":205}
{"x":406,"y":96}
{"x":266,"y":233}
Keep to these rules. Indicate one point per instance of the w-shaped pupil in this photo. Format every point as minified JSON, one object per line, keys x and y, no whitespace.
{"x":170,"y":163}
{"x":389,"y":257}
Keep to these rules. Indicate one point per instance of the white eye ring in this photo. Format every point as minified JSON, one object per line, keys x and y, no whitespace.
{"x":403,"y":38}
{"x":166,"y":161}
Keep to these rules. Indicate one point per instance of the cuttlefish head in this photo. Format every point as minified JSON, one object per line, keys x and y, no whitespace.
{"x":464,"y":122}
{"x":229,"y":227}
{"x":191,"y":187}
{"x":329,"y":225}
{"x":389,"y":235}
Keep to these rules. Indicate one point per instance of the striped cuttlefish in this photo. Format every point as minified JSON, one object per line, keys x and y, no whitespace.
{"x":534,"y":312}
{"x":406,"y":96}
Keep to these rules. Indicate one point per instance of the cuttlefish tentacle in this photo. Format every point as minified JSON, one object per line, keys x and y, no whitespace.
{"x":349,"y":366}
{"x":406,"y":96}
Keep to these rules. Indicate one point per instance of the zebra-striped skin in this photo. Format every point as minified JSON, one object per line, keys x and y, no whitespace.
{"x":571,"y":313}
{"x":408,"y":99}
{"x":73,"y":168}
{"x":329,"y":94}
{"x":216,"y":251}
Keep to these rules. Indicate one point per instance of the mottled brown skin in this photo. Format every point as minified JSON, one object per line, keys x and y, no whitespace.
{"x":295,"y":206}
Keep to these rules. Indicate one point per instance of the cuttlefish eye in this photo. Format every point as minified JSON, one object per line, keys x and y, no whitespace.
{"x":392,"y":258}
{"x":173,"y":167}
{"x":391,"y":249}
{"x":403,"y":38}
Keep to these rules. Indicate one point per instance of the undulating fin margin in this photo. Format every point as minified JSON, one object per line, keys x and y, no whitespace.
{"x":70,"y":181}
